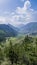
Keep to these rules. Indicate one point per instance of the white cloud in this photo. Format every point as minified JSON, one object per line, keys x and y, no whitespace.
{"x":26,"y":7}
{"x":2,"y":20}
{"x":21,"y":15}
{"x":26,"y":13}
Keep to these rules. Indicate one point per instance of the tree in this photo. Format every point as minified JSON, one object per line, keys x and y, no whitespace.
{"x":13,"y":57}
{"x":2,"y":38}
{"x":1,"y":55}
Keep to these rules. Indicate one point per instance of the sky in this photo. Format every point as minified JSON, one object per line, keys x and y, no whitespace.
{"x":18,"y":12}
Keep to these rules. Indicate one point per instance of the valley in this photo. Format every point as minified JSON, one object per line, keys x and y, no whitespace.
{"x":18,"y":46}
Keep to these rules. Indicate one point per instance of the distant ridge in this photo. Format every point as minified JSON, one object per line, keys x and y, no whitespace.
{"x":29,"y":28}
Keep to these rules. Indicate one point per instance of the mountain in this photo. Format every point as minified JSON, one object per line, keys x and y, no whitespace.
{"x":29,"y":28}
{"x":14,"y":27}
{"x":7,"y":31}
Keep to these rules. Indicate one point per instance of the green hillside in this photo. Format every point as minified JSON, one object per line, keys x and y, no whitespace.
{"x":19,"y":51}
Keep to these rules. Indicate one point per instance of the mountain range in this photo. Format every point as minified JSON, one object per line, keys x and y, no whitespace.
{"x":9,"y":30}
{"x":28,"y":28}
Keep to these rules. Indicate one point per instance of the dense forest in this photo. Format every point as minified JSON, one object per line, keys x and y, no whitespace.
{"x":18,"y":51}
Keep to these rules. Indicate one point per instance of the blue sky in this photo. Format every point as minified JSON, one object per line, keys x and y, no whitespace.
{"x":18,"y":12}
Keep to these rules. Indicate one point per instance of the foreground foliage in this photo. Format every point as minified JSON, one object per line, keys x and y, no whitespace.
{"x":23,"y":52}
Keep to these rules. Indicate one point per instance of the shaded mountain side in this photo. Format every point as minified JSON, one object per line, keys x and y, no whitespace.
{"x":14,"y":27}
{"x":7,"y":31}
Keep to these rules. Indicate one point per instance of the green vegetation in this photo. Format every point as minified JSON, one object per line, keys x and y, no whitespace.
{"x":18,"y":51}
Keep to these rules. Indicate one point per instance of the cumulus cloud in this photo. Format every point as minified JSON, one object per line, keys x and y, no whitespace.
{"x":26,"y":13}
{"x":23,"y":10}
{"x":22,"y":15}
